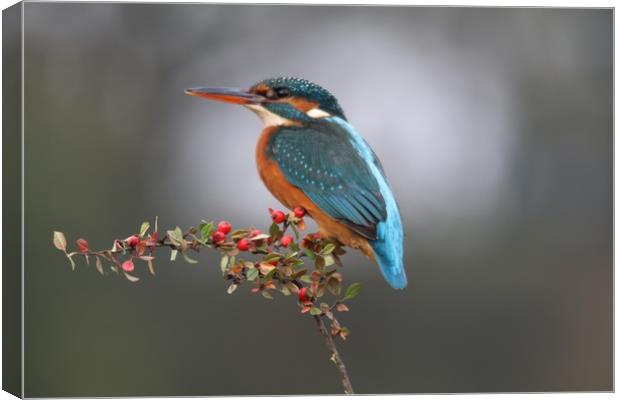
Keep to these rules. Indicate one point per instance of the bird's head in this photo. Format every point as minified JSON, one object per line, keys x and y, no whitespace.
{"x":278,"y":101}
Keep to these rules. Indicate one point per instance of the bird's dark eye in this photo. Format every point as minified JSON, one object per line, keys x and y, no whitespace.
{"x":282,"y":92}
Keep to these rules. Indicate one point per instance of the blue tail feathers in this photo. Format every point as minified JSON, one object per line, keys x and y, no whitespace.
{"x":388,"y":246}
{"x":388,"y":249}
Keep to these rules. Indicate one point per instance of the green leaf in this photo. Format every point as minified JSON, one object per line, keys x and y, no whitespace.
{"x":296,"y":262}
{"x":176,"y":236}
{"x":270,"y":274}
{"x":206,"y":229}
{"x":239,"y":233}
{"x":292,"y":287}
{"x":144,"y":228}
{"x":306,"y":279}
{"x":295,"y":232}
{"x":224,"y":264}
{"x":60,"y":241}
{"x":267,"y":295}
{"x":98,"y":265}
{"x":315,"y":311}
{"x":188,"y":259}
{"x":274,"y":230}
{"x":329,"y":247}
{"x":334,"y":286}
{"x":271,"y":257}
{"x":310,"y":254}
{"x":353,"y":290}
{"x":329,"y":260}
{"x":252,"y":274}
{"x":173,"y":254}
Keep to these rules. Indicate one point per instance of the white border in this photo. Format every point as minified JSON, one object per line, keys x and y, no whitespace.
{"x":479,"y":3}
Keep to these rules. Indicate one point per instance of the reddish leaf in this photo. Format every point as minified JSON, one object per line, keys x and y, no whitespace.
{"x":82,"y":245}
{"x":342,"y":307}
{"x":265,"y":268}
{"x":141,"y":247}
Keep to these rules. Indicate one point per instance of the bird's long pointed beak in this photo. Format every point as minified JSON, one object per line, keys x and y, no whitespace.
{"x":228,"y":95}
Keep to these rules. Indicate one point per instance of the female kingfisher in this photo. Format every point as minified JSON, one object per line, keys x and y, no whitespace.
{"x":308,"y":155}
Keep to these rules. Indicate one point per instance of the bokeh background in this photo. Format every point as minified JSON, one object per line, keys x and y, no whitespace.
{"x":494,"y":127}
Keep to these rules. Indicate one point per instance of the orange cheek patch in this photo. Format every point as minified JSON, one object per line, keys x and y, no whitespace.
{"x":302,"y":105}
{"x":261,"y":89}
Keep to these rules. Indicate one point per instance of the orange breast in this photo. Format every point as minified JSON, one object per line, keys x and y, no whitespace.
{"x":291,"y":196}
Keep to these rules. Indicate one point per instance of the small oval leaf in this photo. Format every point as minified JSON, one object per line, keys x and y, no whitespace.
{"x":353,"y":290}
{"x":60,"y":241}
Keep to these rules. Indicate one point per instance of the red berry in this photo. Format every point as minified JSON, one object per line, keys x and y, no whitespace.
{"x":286,"y":240}
{"x":218,"y":237}
{"x":224,"y":227}
{"x":132,"y":241}
{"x":82,"y":245}
{"x":244,"y":244}
{"x":299,"y":212}
{"x":278,"y":216}
{"x":255,"y":232}
{"x":127,"y":266}
{"x":303,"y":295}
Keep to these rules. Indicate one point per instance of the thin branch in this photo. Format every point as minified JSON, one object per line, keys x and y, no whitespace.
{"x":335,"y":356}
{"x":281,"y":269}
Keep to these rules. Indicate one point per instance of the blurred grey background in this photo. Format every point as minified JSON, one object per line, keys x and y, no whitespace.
{"x":494,"y":127}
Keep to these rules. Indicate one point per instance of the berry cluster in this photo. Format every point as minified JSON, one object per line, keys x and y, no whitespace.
{"x":287,"y":263}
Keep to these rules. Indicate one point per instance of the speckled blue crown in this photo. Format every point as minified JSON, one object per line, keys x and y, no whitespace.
{"x":308,"y":90}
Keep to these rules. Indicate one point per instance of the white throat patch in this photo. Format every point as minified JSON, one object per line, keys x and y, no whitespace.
{"x":317,"y":113}
{"x":268,"y":118}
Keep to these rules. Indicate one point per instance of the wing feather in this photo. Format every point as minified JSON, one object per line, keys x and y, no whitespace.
{"x":321,"y":160}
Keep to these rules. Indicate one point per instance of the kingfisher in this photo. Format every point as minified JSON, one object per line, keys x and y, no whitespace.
{"x":309,"y":155}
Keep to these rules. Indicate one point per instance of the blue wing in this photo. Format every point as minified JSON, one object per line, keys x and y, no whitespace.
{"x":321,"y":160}
{"x":339,"y":172}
